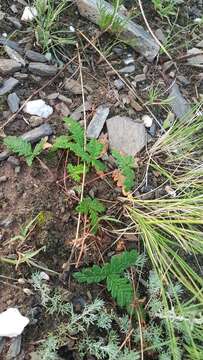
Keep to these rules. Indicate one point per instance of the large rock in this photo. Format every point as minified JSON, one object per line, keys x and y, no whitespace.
{"x":41,"y":69}
{"x":9,"y":66}
{"x":132,"y":33}
{"x":126,"y":135}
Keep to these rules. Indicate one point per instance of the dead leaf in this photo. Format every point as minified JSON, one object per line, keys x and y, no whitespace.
{"x":120,"y":246}
{"x":118,"y":177}
{"x":103,"y":139}
{"x":47,"y":145}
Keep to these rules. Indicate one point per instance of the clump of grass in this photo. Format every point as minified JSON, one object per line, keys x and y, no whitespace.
{"x":110,"y":20}
{"x":168,"y":228}
{"x":165,"y":8}
{"x":177,"y":155}
{"x":50,"y":33}
{"x":171,"y":232}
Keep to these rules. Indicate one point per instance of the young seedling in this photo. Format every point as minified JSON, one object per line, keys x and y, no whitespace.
{"x":22,"y":147}
{"x":112,"y":273}
{"x":50,"y":33}
{"x":74,"y":142}
{"x":92,"y":208}
{"x":126,"y":166}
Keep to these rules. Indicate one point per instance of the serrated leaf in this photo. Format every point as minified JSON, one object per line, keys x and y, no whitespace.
{"x":94,"y":148}
{"x":79,"y":151}
{"x":92,"y":275}
{"x":18,"y":145}
{"x":39,"y":147}
{"x":121,"y":262}
{"x":76,"y":130}
{"x":121,"y":289}
{"x":61,"y":142}
{"x":126,"y":165}
{"x":92,"y":208}
{"x":76,"y":171}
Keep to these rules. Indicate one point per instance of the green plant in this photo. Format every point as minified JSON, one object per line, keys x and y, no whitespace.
{"x":23,"y":148}
{"x":110,"y":19}
{"x":26,"y":230}
{"x":165,"y":8}
{"x":169,"y":227}
{"x":126,"y":165}
{"x":119,"y":286}
{"x":75,"y":143}
{"x":93,"y":315}
{"x":93,"y":208}
{"x":179,"y":152}
{"x":49,"y":33}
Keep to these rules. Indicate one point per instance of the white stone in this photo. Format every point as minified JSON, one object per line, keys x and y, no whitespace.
{"x":71,"y":28}
{"x":39,"y":108}
{"x":12,"y":323}
{"x":29,"y":13}
{"x":147,"y":120}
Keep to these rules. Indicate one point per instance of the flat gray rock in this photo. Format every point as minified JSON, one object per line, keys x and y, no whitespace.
{"x":126,"y":135}
{"x":8,"y":86}
{"x":13,"y":54}
{"x":9,"y":66}
{"x":13,"y":102}
{"x":41,"y":69}
{"x":38,"y":133}
{"x":178,"y":103}
{"x":96,"y":124}
{"x":12,"y":44}
{"x":35,"y":56}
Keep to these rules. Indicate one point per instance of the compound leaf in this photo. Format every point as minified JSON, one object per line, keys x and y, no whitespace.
{"x":18,"y":145}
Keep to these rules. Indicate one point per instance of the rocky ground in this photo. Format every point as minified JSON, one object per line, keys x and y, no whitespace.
{"x":126,"y":101}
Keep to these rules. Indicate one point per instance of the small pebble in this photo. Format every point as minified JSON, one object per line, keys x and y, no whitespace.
{"x":35,"y":121}
{"x":78,"y":303}
{"x":65,"y":99}
{"x":13,"y":102}
{"x":20,"y":76}
{"x":127,"y":69}
{"x":3,"y":178}
{"x":29,"y":13}
{"x":128,"y":61}
{"x":14,"y":161}
{"x":35,"y":56}
{"x":147,"y":121}
{"x":119,"y":84}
